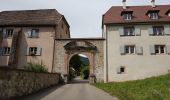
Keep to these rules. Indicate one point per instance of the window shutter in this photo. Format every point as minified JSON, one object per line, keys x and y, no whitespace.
{"x":167,"y":29}
{"x":118,"y":70}
{"x":4,"y":33}
{"x":121,"y":31}
{"x":152,"y":49}
{"x":28,"y":33}
{"x":122,"y":50}
{"x":137,"y":31}
{"x":1,"y":51}
{"x":168,"y":49}
{"x":28,"y":50}
{"x":150,"y":30}
{"x":39,"y":50}
{"x":139,"y":50}
{"x":37,"y":33}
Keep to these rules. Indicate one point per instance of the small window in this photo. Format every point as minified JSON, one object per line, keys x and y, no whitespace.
{"x":127,"y":16}
{"x":9,"y":33}
{"x":153,"y":15}
{"x":160,"y":49}
{"x":121,"y":70}
{"x":130,"y":49}
{"x":129,"y":31}
{"x":158,"y":30}
{"x":34,"y":33}
{"x":6,"y":51}
{"x":32,"y":51}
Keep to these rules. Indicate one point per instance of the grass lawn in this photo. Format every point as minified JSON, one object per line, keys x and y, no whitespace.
{"x":155,"y":88}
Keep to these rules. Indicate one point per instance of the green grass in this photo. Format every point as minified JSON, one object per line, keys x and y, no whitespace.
{"x":155,"y":88}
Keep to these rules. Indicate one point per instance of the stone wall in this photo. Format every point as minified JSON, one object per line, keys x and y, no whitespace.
{"x":15,"y":83}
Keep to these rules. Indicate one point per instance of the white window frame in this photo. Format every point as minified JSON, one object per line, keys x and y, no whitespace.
{"x":158,"y":49}
{"x":33,"y":51}
{"x":129,"y":48}
{"x":33,"y":32}
{"x":120,"y":70}
{"x":153,"y":15}
{"x":129,"y":29}
{"x":127,"y":16}
{"x":6,"y":51}
{"x":9,"y":33}
{"x":159,"y":30}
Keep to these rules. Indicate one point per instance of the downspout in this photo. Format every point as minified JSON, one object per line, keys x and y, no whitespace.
{"x":106,"y":56}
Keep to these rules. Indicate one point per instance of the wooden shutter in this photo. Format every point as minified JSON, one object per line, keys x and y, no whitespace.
{"x":150,"y":30}
{"x":122,"y":50}
{"x":167,"y":29}
{"x":139,"y":50}
{"x":152,"y":49}
{"x":137,"y":31}
{"x":121,"y":31}
{"x":168,"y":49}
{"x":39,"y":50}
{"x":1,"y":51}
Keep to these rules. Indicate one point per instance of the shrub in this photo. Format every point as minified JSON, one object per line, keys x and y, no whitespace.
{"x":35,"y":67}
{"x":72,"y":73}
{"x":84,"y":72}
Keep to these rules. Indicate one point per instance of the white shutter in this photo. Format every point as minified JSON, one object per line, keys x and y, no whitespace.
{"x":152,"y":49}
{"x":167,"y":29}
{"x":28,"y":33}
{"x":150,"y":30}
{"x":139,"y":50}
{"x":137,"y":31}
{"x":118,"y":70}
{"x":121,"y":31}
{"x":27,"y":51}
{"x":122,"y":50}
{"x":168,"y":49}
{"x":39,"y":50}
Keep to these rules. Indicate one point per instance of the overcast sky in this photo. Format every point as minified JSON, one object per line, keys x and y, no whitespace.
{"x":84,"y":16}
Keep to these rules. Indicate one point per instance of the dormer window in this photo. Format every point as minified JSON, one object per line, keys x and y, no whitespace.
{"x":168,"y":13}
{"x":153,"y":14}
{"x":127,"y":15}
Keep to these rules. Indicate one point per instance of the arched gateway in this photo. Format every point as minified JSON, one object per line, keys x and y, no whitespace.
{"x":92,"y":48}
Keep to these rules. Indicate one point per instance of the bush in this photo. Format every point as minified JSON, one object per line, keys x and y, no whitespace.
{"x":84,"y":72}
{"x":72,"y":73}
{"x":35,"y":67}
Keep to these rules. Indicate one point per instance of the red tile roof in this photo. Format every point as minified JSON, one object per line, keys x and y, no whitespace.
{"x":113,"y":15}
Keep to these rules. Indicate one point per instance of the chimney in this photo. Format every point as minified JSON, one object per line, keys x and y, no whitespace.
{"x":124,"y":4}
{"x":153,"y":3}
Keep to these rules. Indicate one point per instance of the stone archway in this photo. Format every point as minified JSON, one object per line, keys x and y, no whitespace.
{"x":83,"y":47}
{"x":92,"y":48}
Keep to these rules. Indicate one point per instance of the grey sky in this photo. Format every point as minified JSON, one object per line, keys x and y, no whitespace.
{"x":84,"y":16}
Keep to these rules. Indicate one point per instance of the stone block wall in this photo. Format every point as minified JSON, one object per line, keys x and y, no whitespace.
{"x":14,"y":83}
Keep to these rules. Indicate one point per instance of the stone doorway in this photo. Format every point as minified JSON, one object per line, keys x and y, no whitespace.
{"x":92,"y":48}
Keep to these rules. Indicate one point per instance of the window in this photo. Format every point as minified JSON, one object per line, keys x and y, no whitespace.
{"x":34,"y":33}
{"x":6,"y":51}
{"x":34,"y":51}
{"x":158,"y":30}
{"x":129,"y":31}
{"x":153,"y":15}
{"x":160,"y":49}
{"x":9,"y":33}
{"x":130,"y":49}
{"x":127,"y":16}
{"x":121,"y":70}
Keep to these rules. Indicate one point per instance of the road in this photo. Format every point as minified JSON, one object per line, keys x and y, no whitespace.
{"x":77,"y":90}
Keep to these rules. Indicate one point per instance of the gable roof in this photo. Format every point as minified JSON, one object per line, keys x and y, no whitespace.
{"x":113,"y":15}
{"x":30,"y":17}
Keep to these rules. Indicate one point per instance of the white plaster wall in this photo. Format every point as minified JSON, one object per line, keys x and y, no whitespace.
{"x":137,"y":66}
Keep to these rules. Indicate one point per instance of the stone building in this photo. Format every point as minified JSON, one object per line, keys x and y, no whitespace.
{"x":137,"y":42}
{"x":29,"y":36}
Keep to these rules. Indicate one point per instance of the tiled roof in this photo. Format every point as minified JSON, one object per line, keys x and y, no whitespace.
{"x":113,"y":15}
{"x":30,"y":17}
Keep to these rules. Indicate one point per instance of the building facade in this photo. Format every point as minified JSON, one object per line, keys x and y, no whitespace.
{"x":137,"y":42}
{"x":29,"y":37}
